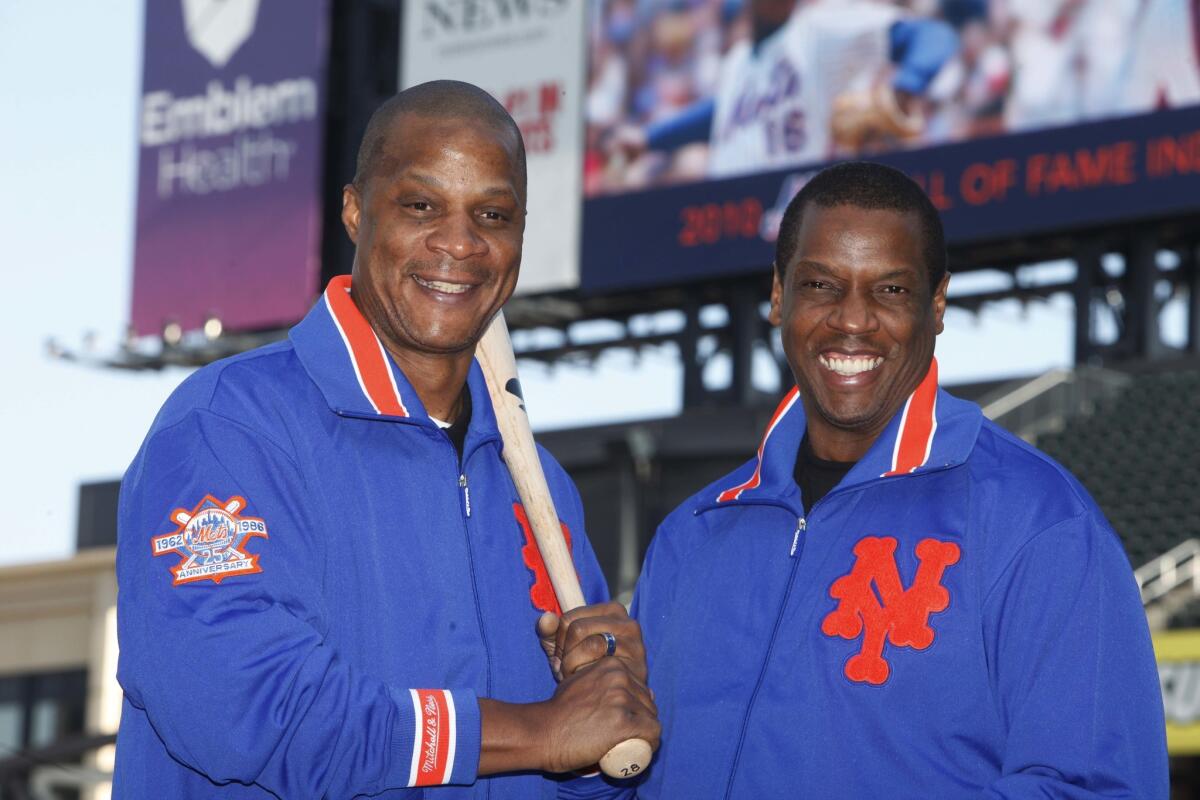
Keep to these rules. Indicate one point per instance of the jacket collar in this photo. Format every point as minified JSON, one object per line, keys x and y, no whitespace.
{"x":347,"y":361}
{"x":357,"y":376}
{"x":931,"y":431}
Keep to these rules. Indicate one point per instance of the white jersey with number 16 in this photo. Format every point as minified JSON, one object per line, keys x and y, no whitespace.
{"x":773,"y":103}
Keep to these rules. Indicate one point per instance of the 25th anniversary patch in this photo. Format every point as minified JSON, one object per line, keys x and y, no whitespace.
{"x":211,"y":538}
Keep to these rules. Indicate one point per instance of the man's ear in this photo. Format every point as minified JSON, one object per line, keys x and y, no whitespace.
{"x":351,"y":210}
{"x":939,"y":303}
{"x":776,"y":315}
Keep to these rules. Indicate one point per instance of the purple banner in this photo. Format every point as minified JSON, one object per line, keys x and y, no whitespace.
{"x":230,"y":132}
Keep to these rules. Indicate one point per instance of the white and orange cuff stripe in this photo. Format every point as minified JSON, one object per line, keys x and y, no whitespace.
{"x":436,"y":737}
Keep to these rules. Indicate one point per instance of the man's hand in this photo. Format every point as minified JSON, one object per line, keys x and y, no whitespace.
{"x":871,"y":118}
{"x":592,"y":711}
{"x":595,"y":709}
{"x":577,"y":639}
{"x":599,"y":703}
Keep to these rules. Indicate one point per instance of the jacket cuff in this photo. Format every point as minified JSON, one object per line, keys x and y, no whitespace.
{"x":435,"y":740}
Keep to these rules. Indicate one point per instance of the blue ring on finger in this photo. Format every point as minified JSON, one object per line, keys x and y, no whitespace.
{"x":610,"y":642}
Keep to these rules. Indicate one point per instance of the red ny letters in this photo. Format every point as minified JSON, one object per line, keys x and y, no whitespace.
{"x":902,"y":617}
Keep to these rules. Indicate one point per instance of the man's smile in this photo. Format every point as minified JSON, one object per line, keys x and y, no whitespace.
{"x":848,"y":365}
{"x":444,"y":287}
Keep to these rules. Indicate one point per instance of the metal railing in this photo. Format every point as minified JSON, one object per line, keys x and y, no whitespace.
{"x":38,"y":773}
{"x":1175,"y":568}
{"x":1045,"y":403}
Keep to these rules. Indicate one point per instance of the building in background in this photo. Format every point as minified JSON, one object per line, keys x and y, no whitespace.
{"x":60,"y":703}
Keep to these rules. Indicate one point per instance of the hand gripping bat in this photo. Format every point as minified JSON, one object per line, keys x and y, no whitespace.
{"x":495,"y":355}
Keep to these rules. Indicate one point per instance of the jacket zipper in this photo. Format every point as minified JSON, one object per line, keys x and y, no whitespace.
{"x":466,"y":514}
{"x":797,"y":547}
{"x":801,"y":525}
{"x":464,"y":485}
{"x":466,"y":492}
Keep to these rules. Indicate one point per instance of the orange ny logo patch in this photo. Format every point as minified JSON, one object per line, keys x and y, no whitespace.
{"x":894,"y":614}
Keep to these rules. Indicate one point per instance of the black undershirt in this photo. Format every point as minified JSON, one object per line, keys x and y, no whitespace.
{"x":458,"y":429}
{"x":816,"y":477}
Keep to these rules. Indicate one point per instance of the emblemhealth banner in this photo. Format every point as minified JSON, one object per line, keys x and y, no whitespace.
{"x":229,"y":167}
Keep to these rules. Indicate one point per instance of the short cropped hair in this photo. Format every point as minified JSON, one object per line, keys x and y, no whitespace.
{"x":865,"y":184}
{"x":437,"y":99}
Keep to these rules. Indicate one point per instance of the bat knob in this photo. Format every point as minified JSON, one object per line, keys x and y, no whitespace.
{"x":627,"y":759}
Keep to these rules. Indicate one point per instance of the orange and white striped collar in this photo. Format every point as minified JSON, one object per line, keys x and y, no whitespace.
{"x":913,"y":441}
{"x":348,"y":361}
{"x":932,"y":429}
{"x":755,"y":479}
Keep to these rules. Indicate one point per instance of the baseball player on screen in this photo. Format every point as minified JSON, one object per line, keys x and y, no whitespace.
{"x":815,"y":78}
{"x":1067,"y":56}
{"x":1163,"y":63}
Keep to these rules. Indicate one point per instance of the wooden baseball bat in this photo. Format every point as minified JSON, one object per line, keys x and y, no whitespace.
{"x":495,"y":355}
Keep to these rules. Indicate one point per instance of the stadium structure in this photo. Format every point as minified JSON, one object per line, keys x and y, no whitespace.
{"x":1124,"y":418}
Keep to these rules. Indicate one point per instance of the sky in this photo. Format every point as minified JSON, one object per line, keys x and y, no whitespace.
{"x":69,"y":86}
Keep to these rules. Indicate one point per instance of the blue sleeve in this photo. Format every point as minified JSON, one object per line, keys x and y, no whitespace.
{"x":595,"y":590}
{"x":1073,"y":670}
{"x":919,"y":49}
{"x":692,"y":124}
{"x":236,"y":676}
{"x":653,"y":599}
{"x":647,"y":597}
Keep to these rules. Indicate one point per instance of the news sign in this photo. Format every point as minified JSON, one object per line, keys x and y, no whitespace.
{"x":230,"y":133}
{"x":529,"y":56}
{"x":704,"y":119}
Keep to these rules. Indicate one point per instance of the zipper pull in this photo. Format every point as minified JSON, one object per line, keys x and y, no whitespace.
{"x":801,"y":524}
{"x":462,"y":482}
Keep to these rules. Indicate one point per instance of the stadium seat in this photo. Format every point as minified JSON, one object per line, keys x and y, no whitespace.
{"x":1137,"y":454}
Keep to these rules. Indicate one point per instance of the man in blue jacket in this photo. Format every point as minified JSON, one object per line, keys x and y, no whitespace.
{"x":895,"y":598}
{"x":327,"y":587}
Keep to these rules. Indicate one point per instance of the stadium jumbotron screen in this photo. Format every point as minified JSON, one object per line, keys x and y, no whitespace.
{"x":704,"y":117}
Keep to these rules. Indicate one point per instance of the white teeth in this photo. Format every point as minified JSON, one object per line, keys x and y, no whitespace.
{"x":442,"y":286}
{"x":850,"y":365}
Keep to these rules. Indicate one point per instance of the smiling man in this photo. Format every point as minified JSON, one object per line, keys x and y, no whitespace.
{"x":326,"y":585}
{"x":895,"y":598}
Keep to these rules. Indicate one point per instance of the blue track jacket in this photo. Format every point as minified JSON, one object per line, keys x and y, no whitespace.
{"x":956,"y":619}
{"x":313,"y":589}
